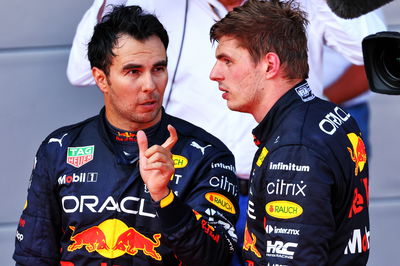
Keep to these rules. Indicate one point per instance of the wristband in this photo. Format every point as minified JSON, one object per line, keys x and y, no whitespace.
{"x":167,"y":200}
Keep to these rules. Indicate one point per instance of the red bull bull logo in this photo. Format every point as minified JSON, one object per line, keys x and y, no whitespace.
{"x":249,"y":242}
{"x":113,"y":238}
{"x":357,"y":152}
{"x":131,"y":241}
{"x":126,"y":136}
{"x":92,"y":238}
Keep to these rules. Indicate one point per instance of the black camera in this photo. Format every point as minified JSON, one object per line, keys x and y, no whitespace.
{"x":382,"y":62}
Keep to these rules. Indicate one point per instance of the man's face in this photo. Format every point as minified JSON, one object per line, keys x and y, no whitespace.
{"x":136,"y":83}
{"x":238,"y":77}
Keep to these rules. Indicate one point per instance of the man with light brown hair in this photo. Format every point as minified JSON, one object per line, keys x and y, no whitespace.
{"x":308,"y":197}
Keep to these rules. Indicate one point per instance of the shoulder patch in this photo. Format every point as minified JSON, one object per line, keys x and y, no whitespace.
{"x":305,"y":93}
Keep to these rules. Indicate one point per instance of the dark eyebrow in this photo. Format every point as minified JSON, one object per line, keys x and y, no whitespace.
{"x":222,"y":55}
{"x":157,"y":64}
{"x":130,"y":66}
{"x":161,"y":63}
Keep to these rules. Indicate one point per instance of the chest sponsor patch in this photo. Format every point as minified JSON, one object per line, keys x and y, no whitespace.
{"x":179,"y":161}
{"x":78,"y":156}
{"x":221,"y":202}
{"x":283,"y":209}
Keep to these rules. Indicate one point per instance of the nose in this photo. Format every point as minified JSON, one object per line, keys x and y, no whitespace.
{"x":215,"y":73}
{"x":149,"y":83}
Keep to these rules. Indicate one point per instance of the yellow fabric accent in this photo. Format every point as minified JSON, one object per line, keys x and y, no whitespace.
{"x":167,"y":200}
{"x":261,"y":158}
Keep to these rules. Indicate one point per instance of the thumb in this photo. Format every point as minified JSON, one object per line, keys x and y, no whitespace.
{"x":173,"y":138}
{"x":142,"y":143}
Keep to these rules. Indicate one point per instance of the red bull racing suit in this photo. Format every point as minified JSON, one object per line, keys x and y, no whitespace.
{"x":308,"y":198}
{"x":88,"y":205}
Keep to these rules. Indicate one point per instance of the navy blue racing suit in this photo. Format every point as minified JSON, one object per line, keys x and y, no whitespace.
{"x":88,"y":205}
{"x":308,"y":198}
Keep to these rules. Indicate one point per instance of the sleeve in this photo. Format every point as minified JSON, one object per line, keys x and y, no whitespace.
{"x":299,"y":221}
{"x":345,"y":35}
{"x":39,"y":230}
{"x":199,"y":226}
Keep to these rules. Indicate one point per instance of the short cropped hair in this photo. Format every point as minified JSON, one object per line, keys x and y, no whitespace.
{"x":123,"y":20}
{"x":269,"y":26}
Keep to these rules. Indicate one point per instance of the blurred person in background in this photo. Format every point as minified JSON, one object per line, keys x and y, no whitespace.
{"x":347,"y":85}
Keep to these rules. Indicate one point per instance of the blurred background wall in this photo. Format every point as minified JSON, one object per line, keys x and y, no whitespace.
{"x":37,"y":98}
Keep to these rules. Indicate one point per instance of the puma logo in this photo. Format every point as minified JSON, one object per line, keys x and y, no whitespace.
{"x":197,"y":146}
{"x":58,"y":140}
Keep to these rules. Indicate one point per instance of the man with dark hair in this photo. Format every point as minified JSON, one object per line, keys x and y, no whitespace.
{"x":308,"y":198}
{"x":98,"y":195}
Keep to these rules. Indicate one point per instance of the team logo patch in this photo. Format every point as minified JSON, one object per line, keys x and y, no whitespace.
{"x":78,"y":156}
{"x":221,"y":202}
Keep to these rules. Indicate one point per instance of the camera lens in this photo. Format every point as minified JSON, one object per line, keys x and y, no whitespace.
{"x":382,"y":61}
{"x":388,"y":63}
{"x":391,"y":60}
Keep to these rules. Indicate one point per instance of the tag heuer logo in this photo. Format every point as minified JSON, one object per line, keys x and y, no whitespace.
{"x":78,"y":156}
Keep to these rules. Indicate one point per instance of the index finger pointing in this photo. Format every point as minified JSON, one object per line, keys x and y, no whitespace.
{"x":173,"y":138}
{"x":142,"y":142}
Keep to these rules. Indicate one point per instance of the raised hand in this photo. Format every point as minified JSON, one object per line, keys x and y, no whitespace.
{"x":156,"y":164}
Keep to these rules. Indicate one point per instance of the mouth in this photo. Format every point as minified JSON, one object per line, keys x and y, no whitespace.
{"x":148,"y":102}
{"x":148,"y":105}
{"x":225,"y":93}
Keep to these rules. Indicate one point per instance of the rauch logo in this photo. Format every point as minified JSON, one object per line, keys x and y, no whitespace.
{"x":283,"y":209}
{"x":179,"y":161}
{"x":221,"y":202}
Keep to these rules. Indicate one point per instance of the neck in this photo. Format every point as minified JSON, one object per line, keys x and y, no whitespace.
{"x":126,"y":124}
{"x":276,"y":89}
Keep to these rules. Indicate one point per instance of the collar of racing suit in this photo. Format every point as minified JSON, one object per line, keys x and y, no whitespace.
{"x":123,"y":143}
{"x":278,"y":112}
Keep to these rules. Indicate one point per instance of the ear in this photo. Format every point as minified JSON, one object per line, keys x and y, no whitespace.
{"x":101,"y":79}
{"x":272,"y":64}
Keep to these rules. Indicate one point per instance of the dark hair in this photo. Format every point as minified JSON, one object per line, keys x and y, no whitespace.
{"x":269,"y":26}
{"x":123,"y":20}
